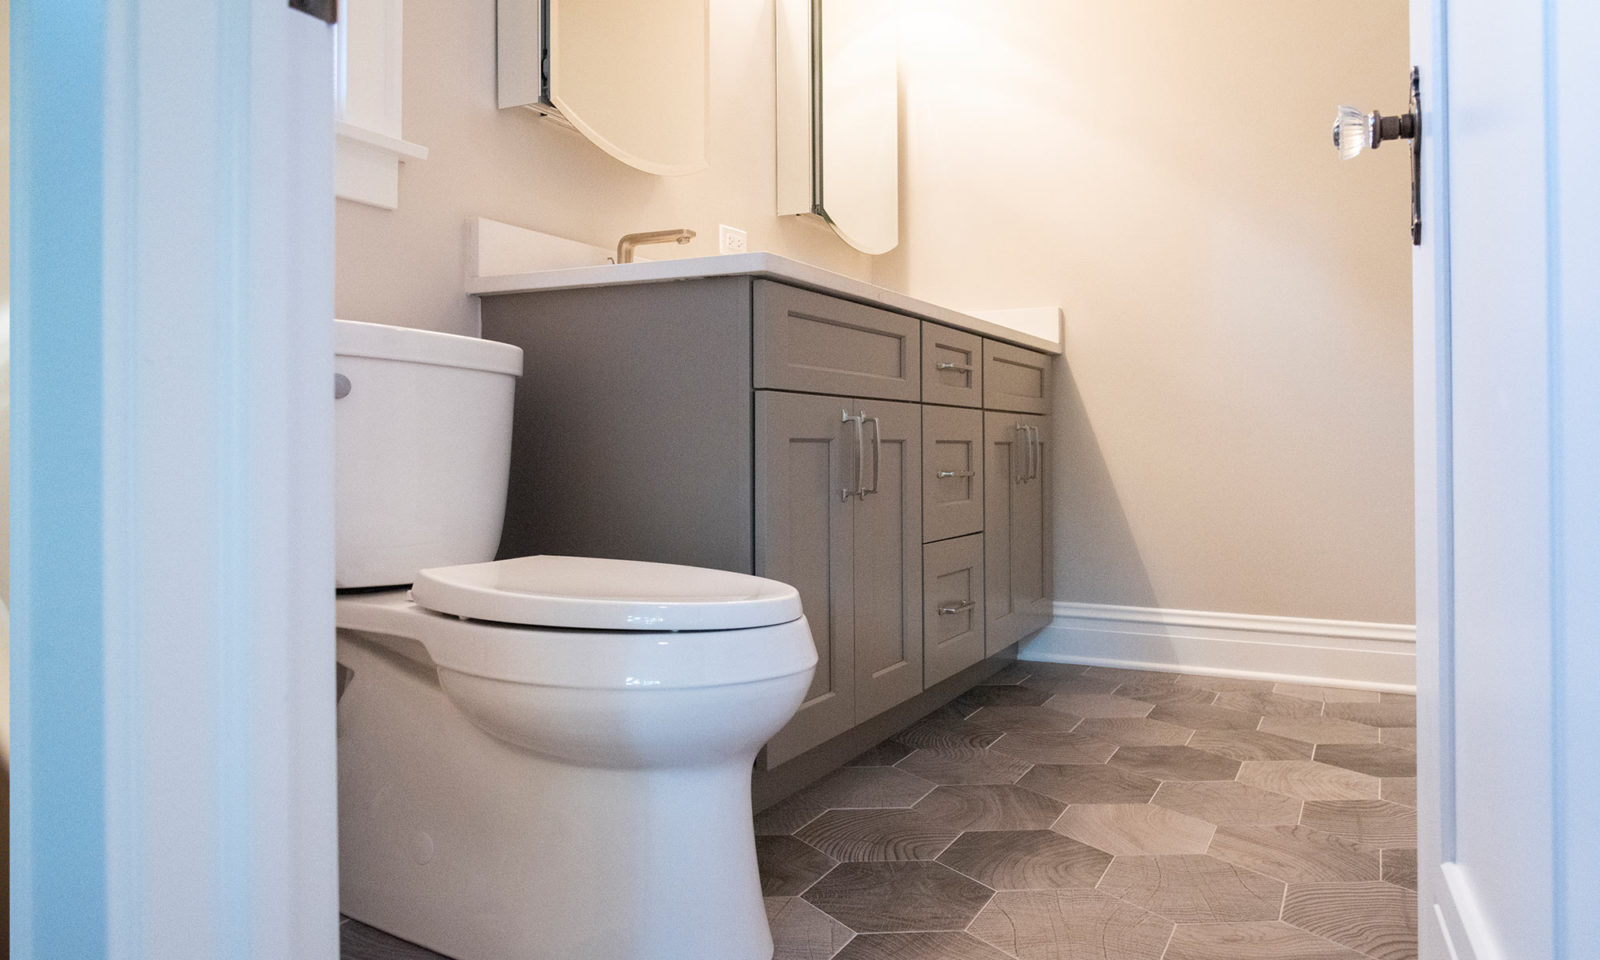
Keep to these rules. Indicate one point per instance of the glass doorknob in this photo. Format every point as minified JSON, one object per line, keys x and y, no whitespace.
{"x":1355,"y":132}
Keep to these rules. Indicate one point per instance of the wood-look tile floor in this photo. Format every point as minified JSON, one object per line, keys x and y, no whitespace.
{"x":1062,"y":812}
{"x":1097,"y":814}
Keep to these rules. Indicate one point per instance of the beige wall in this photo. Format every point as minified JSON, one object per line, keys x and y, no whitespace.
{"x":406,"y":266}
{"x":1235,"y":427}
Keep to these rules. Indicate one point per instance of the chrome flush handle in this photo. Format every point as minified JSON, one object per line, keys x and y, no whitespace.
{"x":948,"y":474}
{"x":946,"y":609}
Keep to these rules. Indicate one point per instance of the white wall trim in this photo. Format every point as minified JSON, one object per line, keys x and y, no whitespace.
{"x":1461,"y":919}
{"x":1346,"y":653}
{"x":367,"y":165}
{"x":368,"y":149}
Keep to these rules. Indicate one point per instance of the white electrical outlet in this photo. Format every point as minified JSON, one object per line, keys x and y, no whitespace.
{"x":732,"y":240}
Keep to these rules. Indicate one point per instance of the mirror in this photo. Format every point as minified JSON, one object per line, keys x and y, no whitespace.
{"x":631,"y":75}
{"x":838,"y":104}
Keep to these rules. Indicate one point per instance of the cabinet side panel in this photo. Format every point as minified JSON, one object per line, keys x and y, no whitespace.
{"x":633,"y":429}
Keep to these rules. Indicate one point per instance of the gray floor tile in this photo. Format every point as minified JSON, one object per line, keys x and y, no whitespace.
{"x":898,"y":897}
{"x":1089,"y":783}
{"x":1025,"y":860}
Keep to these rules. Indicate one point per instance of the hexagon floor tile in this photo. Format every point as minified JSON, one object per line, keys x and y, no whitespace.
{"x":1012,"y":815}
{"x":1071,"y":925}
{"x":1194,"y":889}
{"x":1026,"y":860}
{"x":898,"y":897}
{"x":1129,"y":829}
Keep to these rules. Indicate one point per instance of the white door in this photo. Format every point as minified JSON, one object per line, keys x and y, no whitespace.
{"x":172,"y":646}
{"x":1507,"y":301}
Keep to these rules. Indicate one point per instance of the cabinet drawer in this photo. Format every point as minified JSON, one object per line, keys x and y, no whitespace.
{"x":815,"y":343}
{"x":1015,"y":378}
{"x":952,"y":600}
{"x":952,"y":366}
{"x":952,"y":472}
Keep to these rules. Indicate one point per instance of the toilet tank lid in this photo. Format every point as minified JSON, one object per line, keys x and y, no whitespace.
{"x":590,"y":593}
{"x":380,"y":341}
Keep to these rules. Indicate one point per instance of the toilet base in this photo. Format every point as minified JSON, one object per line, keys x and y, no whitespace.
{"x":480,"y":850}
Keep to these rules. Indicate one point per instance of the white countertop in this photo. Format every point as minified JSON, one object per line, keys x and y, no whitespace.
{"x":768,"y":265}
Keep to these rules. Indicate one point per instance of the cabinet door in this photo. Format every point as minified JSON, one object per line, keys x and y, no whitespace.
{"x":1032,"y":536}
{"x":1017,"y":564}
{"x":888,"y":559}
{"x":805,"y":460}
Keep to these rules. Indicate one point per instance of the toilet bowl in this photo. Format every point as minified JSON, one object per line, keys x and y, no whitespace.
{"x":539,"y":757}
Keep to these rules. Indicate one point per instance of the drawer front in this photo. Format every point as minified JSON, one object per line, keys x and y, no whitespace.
{"x":952,"y":366}
{"x":1015,"y":378}
{"x":952,"y":472}
{"x":952,"y":598}
{"x":815,"y":343}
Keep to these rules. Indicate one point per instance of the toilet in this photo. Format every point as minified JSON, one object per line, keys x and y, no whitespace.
{"x":539,"y":757}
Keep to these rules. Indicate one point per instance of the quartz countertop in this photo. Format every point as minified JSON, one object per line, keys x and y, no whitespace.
{"x":766,"y":265}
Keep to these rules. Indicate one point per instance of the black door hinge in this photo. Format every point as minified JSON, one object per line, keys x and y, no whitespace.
{"x":325,"y":10}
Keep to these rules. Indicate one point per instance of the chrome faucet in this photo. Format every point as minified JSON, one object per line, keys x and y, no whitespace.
{"x":627,"y":243}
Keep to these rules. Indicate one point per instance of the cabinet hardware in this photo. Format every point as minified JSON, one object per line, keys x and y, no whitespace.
{"x":945,"y":609}
{"x":947,"y":474}
{"x":951,"y":365}
{"x":1027,"y":454}
{"x":1034,"y":451}
{"x":877,"y":453}
{"x":847,"y":493}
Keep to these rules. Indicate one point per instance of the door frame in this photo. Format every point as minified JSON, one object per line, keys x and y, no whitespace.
{"x":173,"y":780}
{"x":1453,"y":924}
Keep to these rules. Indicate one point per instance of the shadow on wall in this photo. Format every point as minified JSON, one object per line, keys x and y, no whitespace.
{"x":1097,"y":555}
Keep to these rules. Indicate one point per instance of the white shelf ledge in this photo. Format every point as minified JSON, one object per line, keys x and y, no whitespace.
{"x":367,"y":165}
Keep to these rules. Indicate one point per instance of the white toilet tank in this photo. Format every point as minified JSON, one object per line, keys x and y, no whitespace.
{"x":423,"y":450}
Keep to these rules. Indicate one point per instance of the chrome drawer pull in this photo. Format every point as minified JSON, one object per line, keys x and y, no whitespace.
{"x":947,"y":474}
{"x":945,"y":609}
{"x":951,"y":365}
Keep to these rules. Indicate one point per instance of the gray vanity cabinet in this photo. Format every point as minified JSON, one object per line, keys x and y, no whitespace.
{"x":1018,"y":570}
{"x":745,"y":424}
{"x":838,"y":516}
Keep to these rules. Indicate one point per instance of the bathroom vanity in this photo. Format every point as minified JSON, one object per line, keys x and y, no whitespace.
{"x":887,"y":457}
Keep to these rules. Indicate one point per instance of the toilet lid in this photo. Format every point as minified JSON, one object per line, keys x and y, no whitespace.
{"x":594,"y":594}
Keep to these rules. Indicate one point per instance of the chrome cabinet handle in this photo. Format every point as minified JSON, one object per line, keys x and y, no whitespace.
{"x":1038,"y":452}
{"x":947,"y":474}
{"x":945,"y":609}
{"x":952,"y":365}
{"x":1033,"y":451}
{"x":848,"y":492}
{"x":877,"y":453}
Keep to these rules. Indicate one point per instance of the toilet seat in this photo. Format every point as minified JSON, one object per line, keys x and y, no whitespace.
{"x":589,"y":593}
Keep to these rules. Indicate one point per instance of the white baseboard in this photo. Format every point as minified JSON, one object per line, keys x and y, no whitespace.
{"x":1342,"y":653}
